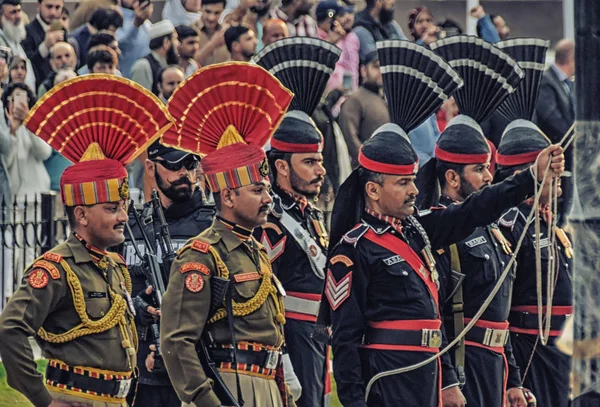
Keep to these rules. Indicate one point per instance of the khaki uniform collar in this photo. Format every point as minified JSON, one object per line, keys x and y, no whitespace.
{"x":229,"y":238}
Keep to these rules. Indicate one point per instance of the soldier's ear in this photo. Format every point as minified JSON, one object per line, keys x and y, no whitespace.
{"x":149,"y":168}
{"x":282,"y":167}
{"x":227,"y":198}
{"x":80,"y":215}
{"x":373,"y":190}
{"x":452,"y":178}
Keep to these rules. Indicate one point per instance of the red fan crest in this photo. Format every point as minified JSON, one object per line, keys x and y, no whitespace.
{"x":119,"y":115}
{"x":241,"y":95}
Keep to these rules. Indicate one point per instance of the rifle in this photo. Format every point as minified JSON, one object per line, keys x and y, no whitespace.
{"x":152,"y":271}
{"x":163,"y":237}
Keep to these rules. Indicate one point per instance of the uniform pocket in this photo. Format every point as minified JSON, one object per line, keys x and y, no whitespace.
{"x":483,"y":264}
{"x":97,"y":308}
{"x":246,"y":290}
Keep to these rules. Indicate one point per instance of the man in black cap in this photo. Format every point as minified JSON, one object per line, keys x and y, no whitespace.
{"x":381,"y":290}
{"x":471,"y":269}
{"x":544,"y":368}
{"x":295,"y":235}
{"x":187,"y":215}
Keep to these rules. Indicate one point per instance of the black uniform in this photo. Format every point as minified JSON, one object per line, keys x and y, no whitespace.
{"x":547,"y":375}
{"x":185,"y":219}
{"x":379,"y":299}
{"x":303,"y":285}
{"x":483,"y":257}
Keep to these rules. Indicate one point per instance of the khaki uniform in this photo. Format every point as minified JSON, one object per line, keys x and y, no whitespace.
{"x":78,"y":311}
{"x":258,"y":308}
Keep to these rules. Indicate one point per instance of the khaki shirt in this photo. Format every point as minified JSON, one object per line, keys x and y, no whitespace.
{"x":51,"y":306}
{"x":186,"y":304}
{"x":220,"y":54}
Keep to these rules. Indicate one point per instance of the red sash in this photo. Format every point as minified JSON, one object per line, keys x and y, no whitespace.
{"x":401,"y":248}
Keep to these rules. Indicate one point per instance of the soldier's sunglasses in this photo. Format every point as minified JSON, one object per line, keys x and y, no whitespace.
{"x":190,"y":163}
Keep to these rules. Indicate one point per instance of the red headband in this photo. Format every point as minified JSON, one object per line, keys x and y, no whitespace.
{"x":408,"y":169}
{"x":286,"y":147}
{"x":457,"y":158}
{"x":517,"y":159}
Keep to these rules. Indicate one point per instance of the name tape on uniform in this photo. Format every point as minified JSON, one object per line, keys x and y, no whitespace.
{"x":478,"y":241}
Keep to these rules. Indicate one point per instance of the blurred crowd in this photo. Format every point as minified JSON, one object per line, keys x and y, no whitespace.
{"x":38,"y":52}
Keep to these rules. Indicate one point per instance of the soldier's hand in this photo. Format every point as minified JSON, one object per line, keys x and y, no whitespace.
{"x":556,"y":155}
{"x":515,"y":397}
{"x":453,"y":397}
{"x":150,"y":358}
{"x":146,"y":314}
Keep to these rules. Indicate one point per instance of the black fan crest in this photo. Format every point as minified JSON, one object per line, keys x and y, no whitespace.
{"x":416,"y":81}
{"x":530,"y":53}
{"x":490,"y":74}
{"x":303,"y":65}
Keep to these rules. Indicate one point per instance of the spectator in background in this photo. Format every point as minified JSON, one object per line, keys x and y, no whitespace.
{"x":241,"y":43}
{"x":13,"y":32}
{"x":555,"y":110}
{"x":212,"y":40}
{"x":65,"y":18}
{"x":182,"y":12}
{"x":18,"y":70}
{"x":102,"y":59}
{"x":365,"y":110}
{"x":273,"y":30}
{"x":486,"y":29}
{"x":62,"y":55}
{"x":84,"y":10}
{"x":501,"y":26}
{"x":109,"y":19}
{"x":296,"y":14}
{"x":133,"y":37}
{"x":169,"y":80}
{"x":376,"y":23}
{"x":102,"y":38}
{"x":251,"y":13}
{"x":163,"y":46}
{"x":189,"y":45}
{"x":26,"y":152}
{"x":42,"y":33}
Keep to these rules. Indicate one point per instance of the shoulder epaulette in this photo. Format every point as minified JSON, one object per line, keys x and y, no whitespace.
{"x":355,"y":233}
{"x":53,"y":257}
{"x":509,"y":218}
{"x":277,"y":209}
{"x":47,"y":266}
{"x":200,"y":246}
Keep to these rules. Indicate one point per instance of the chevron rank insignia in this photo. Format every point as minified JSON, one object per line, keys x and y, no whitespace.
{"x":337,"y":291}
{"x":273,"y":250}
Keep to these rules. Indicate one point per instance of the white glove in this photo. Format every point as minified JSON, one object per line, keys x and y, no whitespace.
{"x":290,"y":377}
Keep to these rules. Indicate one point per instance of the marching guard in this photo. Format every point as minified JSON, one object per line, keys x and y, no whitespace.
{"x":381,"y":291}
{"x":295,"y":235}
{"x":76,"y":298}
{"x":222,"y":316}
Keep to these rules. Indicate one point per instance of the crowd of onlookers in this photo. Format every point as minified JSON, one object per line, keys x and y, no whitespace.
{"x":113,"y":37}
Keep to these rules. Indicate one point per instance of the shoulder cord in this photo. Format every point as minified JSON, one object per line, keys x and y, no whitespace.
{"x":265,"y":290}
{"x":115,"y":315}
{"x":568,"y":136}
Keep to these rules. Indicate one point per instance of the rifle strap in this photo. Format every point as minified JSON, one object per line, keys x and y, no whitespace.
{"x":229,"y":305}
{"x":458,"y":314}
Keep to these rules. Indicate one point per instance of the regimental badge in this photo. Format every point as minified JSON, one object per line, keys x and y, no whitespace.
{"x":103,"y":264}
{"x":194,"y":282}
{"x":38,"y":279}
{"x":435,"y":339}
{"x":124,"y":189}
{"x":263,"y":168}
{"x":313,"y":250}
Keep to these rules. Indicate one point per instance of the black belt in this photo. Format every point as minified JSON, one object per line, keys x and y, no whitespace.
{"x":526,"y":320}
{"x":431,"y":338}
{"x":268,"y":359}
{"x":111,"y":388}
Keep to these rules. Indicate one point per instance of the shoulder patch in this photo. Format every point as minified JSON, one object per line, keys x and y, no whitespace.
{"x":355,"y":233}
{"x":38,"y":279}
{"x":196,"y":267}
{"x":337,"y":291}
{"x":202,"y":247}
{"x":340,"y":258}
{"x":54,"y":257}
{"x":49,"y":267}
{"x":509,"y":218}
{"x":271,"y":225}
{"x":194,"y":282}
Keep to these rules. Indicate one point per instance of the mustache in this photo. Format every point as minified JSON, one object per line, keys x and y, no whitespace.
{"x":182,"y":181}
{"x":264,"y":208}
{"x":317,"y":180}
{"x":119,"y":225}
{"x":411,"y":199}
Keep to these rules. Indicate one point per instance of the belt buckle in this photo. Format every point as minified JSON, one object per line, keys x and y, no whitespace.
{"x":272,"y":359}
{"x":431,"y":338}
{"x":123,"y":390}
{"x":495,"y":337}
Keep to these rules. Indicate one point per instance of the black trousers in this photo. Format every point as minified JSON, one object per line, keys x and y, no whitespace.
{"x":156,"y":396}
{"x":417,"y":388}
{"x":549,"y":373}
{"x":484,"y":377}
{"x":308,"y":358}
